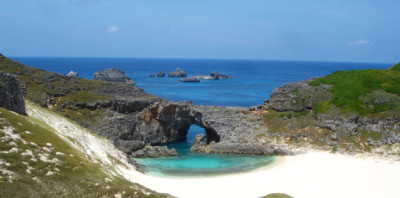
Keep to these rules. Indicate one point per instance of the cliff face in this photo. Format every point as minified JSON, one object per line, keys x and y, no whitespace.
{"x":11,"y":93}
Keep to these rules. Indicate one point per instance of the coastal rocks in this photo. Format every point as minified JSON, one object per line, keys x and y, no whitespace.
{"x":151,"y":75}
{"x":11,"y":93}
{"x":297,"y":96}
{"x":177,"y":73}
{"x":72,"y":74}
{"x":161,"y":74}
{"x":214,"y":76}
{"x":154,"y":151}
{"x":113,"y":75}
{"x":191,"y":79}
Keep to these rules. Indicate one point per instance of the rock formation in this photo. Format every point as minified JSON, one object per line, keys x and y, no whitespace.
{"x":72,"y":74}
{"x":214,"y":76}
{"x":297,"y":96}
{"x":11,"y":93}
{"x":152,"y":75}
{"x":177,"y":73}
{"x":161,"y":74}
{"x":154,"y":151}
{"x":113,"y":75}
{"x":191,"y":79}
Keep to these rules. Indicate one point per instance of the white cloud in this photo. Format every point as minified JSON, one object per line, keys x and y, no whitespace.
{"x":359,"y":42}
{"x":112,"y":29}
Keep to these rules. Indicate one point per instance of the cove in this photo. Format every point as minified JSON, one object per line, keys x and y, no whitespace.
{"x":192,"y":164}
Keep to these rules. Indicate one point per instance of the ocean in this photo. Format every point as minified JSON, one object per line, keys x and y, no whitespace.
{"x":252,"y":83}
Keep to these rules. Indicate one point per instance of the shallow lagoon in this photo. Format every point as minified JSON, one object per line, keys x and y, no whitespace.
{"x":190,"y":164}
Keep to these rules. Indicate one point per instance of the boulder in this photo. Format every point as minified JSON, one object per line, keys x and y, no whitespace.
{"x":11,"y":93}
{"x":177,"y":73}
{"x":192,"y":79}
{"x":72,"y":74}
{"x":161,"y":74}
{"x":113,"y":75}
{"x":200,"y":140}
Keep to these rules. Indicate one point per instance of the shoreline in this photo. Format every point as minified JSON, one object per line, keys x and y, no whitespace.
{"x":309,"y":175}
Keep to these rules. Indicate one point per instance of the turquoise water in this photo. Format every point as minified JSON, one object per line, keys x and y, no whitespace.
{"x":252,"y":83}
{"x":189,"y":164}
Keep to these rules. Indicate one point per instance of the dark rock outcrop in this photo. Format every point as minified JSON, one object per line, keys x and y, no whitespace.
{"x":113,"y":75}
{"x":192,"y":79}
{"x":11,"y":93}
{"x":161,"y":74}
{"x":297,"y":96}
{"x":72,"y":74}
{"x":152,"y":75}
{"x":177,"y":73}
{"x":154,"y":151}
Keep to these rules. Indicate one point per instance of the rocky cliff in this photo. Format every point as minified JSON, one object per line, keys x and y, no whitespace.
{"x":11,"y":93}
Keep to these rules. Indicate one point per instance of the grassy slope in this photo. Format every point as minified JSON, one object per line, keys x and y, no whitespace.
{"x":363,"y":91}
{"x":70,"y":175}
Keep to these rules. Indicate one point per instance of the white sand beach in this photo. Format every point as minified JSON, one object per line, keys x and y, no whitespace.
{"x":312,"y":175}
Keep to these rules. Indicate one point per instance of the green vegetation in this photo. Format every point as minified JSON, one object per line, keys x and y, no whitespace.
{"x":396,"y":67}
{"x":365,"y":135}
{"x":277,"y":195}
{"x":351,"y":87}
{"x":35,"y":162}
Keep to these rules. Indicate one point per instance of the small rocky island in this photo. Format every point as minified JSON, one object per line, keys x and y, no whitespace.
{"x":214,"y":76}
{"x":113,"y":75}
{"x":191,"y":79}
{"x":177,"y":73}
{"x":161,"y":74}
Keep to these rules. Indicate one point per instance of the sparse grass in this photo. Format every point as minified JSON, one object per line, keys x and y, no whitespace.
{"x":74,"y":175}
{"x":365,"y":135}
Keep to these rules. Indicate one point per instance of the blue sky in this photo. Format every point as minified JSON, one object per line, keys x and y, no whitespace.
{"x":328,"y":30}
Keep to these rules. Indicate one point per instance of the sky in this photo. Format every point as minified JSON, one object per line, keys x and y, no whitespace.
{"x":312,"y":30}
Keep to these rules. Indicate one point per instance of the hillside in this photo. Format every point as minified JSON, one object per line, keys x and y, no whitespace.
{"x":37,"y":161}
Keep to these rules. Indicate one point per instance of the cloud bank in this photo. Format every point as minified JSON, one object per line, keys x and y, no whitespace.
{"x":112,"y":29}
{"x":358,"y":43}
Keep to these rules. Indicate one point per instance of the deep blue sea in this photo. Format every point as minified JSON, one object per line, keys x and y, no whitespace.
{"x":252,"y":83}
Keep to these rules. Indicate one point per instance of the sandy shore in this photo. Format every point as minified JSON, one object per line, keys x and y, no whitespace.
{"x":309,"y":175}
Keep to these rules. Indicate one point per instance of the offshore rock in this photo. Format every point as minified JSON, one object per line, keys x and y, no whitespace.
{"x":151,"y":75}
{"x":214,"y":76}
{"x":72,"y":74}
{"x":177,"y":73}
{"x":192,"y":79}
{"x":161,"y":74}
{"x":154,"y":151}
{"x":113,"y":75}
{"x":11,"y":93}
